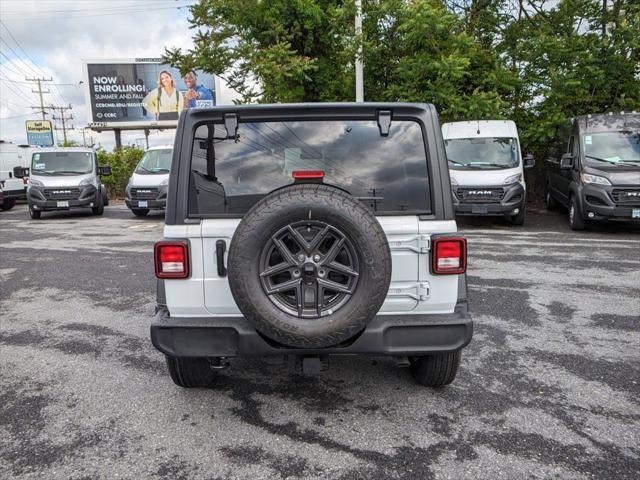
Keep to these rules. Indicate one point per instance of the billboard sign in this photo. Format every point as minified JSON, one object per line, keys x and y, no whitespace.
{"x":143,"y":93}
{"x":39,"y":132}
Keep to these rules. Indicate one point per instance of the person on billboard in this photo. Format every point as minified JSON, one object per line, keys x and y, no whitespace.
{"x":165,"y":101}
{"x":196,"y":95}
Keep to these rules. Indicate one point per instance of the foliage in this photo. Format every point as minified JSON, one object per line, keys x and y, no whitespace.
{"x":272,"y":51}
{"x":123,"y":162}
{"x":537,"y":62}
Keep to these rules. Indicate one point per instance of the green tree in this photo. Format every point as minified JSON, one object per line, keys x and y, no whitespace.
{"x":419,"y":51}
{"x":275,"y":50}
{"x":123,"y":162}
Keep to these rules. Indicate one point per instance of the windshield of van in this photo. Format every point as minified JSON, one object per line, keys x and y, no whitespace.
{"x":155,"y":162}
{"x":616,"y":148}
{"x":482,"y":153}
{"x":388,"y":174}
{"x":62,"y":163}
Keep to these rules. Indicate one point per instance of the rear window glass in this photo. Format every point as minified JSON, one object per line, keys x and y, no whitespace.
{"x":388,"y":174}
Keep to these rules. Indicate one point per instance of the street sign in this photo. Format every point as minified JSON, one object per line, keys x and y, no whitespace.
{"x":39,"y":132}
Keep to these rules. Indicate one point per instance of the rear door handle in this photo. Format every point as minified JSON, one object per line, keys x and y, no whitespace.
{"x":221,"y":247}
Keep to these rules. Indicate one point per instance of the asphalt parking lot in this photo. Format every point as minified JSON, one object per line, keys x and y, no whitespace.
{"x":548,"y":388}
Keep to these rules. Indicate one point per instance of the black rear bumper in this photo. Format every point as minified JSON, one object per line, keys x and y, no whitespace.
{"x":397,"y":335}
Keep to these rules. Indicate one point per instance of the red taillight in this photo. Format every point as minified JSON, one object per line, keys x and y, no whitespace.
{"x":449,"y":255}
{"x":172,"y":259}
{"x":307,"y":174}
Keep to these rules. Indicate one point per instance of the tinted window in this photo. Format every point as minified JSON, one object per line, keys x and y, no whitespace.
{"x":389,"y":174}
{"x":482,"y":153}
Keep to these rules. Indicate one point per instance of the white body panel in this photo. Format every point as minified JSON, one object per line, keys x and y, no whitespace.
{"x":483,"y":129}
{"x":413,"y":289}
{"x":150,"y":180}
{"x":11,"y":156}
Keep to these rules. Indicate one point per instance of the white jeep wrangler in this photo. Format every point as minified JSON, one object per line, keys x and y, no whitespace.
{"x":310,"y":230}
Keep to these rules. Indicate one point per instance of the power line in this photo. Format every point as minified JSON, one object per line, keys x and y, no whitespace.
{"x":29,"y":57}
{"x":16,"y":116}
{"x":151,"y":3}
{"x":18,"y":93}
{"x":29,"y":83}
{"x":22,"y":18}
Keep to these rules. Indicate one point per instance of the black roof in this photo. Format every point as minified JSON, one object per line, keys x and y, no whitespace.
{"x":604,"y":122}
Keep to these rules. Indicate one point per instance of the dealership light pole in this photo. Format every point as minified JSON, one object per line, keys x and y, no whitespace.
{"x":359,"y":76}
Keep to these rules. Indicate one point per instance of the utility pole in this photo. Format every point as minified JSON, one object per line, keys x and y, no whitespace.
{"x":63,"y":118}
{"x":359,"y":74}
{"x":40,"y":91}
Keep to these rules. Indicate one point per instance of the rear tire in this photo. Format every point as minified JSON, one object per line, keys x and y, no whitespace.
{"x":140,"y":212}
{"x":576,"y":222}
{"x":436,"y":370}
{"x":8,"y":204}
{"x":190,"y":372}
{"x":34,"y":214}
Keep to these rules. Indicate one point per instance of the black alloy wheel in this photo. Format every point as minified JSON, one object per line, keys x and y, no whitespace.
{"x":309,"y":269}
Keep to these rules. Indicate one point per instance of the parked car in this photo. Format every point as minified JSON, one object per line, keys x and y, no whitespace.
{"x":14,"y":159}
{"x":147,"y":187}
{"x":486,"y":168}
{"x":310,"y":230}
{"x":64,"y":179}
{"x":594,"y":169}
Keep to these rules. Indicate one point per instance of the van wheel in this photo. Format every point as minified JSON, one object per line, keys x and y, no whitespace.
{"x":190,"y":372}
{"x":550,"y":202}
{"x":519,"y":218}
{"x":576,"y":222}
{"x":8,"y":204}
{"x":435,"y":370}
{"x":99,"y":209}
{"x":34,"y":214}
{"x":140,"y":212}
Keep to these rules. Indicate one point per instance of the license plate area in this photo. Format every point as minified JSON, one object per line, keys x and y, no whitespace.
{"x":143,"y":204}
{"x":635,"y":213}
{"x":63,"y":204}
{"x":479,"y":209}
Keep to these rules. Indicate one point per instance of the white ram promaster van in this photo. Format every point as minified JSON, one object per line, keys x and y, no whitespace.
{"x":147,"y":187}
{"x":65,"y":178}
{"x":486,"y":168}
{"x":13,"y":160}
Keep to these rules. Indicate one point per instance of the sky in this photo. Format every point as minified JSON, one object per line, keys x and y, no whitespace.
{"x":50,"y":38}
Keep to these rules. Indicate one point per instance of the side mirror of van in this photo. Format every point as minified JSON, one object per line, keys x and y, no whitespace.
{"x":566,"y":161}
{"x":20,"y":172}
{"x":106,"y":170}
{"x":529,"y":161}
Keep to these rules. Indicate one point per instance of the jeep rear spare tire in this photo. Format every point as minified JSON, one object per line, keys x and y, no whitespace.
{"x":309,"y":266}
